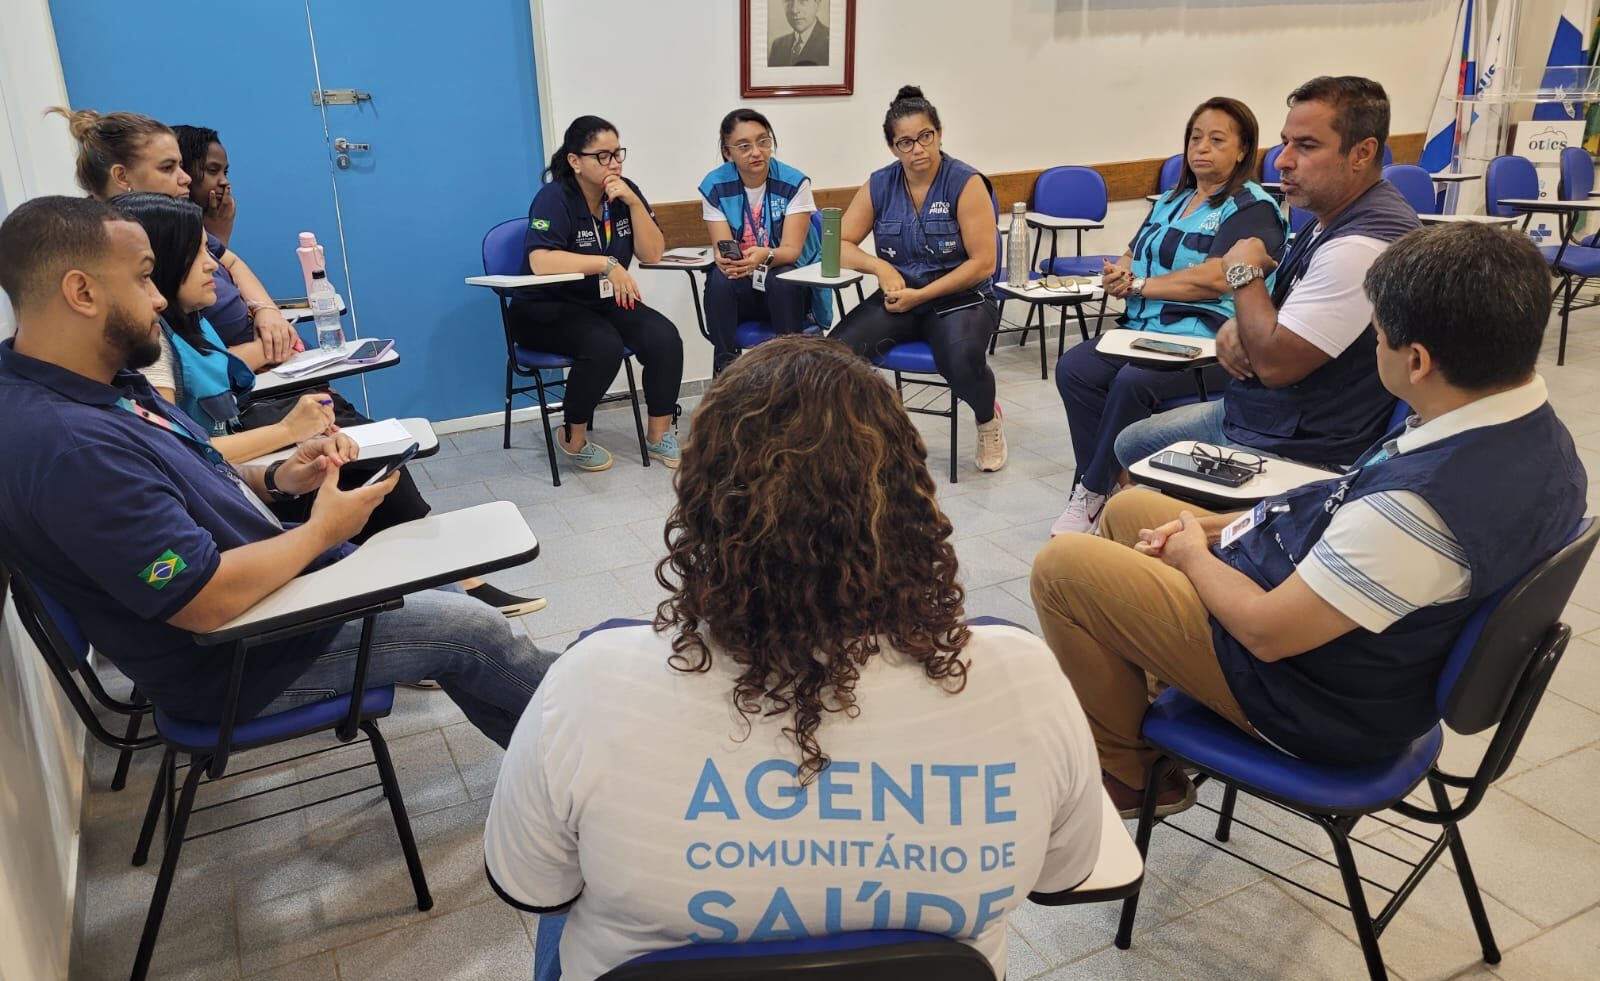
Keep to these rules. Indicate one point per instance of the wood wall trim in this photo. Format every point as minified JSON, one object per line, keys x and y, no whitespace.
{"x":1127,"y":180}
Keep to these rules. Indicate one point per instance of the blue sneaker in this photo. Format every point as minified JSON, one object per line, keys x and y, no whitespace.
{"x":593,"y":457}
{"x":665,"y":449}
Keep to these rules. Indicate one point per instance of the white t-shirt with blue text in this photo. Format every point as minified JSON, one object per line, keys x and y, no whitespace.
{"x":639,"y":790}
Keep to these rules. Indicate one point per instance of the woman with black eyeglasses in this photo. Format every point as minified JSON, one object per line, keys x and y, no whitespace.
{"x":749,"y":200}
{"x":590,"y":219}
{"x":932,"y":220}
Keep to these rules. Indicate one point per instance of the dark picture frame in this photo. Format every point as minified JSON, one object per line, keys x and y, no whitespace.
{"x":760,"y":80}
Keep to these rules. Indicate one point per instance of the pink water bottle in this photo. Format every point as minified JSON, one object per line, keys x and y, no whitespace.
{"x":311,"y":258}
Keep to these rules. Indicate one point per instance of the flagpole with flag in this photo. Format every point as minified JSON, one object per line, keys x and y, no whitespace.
{"x":1451,"y":114}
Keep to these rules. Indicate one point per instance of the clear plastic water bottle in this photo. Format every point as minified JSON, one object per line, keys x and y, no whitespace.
{"x":325,"y":309}
{"x":1017,"y":246}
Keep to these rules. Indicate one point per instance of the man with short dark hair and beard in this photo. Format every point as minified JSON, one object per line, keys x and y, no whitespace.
{"x":117,"y":506}
{"x":1321,"y":620}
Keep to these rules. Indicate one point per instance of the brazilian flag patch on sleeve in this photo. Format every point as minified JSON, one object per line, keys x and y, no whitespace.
{"x":163,"y":570}
{"x":541,"y":225}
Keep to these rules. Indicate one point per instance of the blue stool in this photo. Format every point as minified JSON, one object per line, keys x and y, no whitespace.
{"x":916,"y":358}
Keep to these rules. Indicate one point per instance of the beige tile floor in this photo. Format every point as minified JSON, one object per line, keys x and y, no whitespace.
{"x":322,"y":895}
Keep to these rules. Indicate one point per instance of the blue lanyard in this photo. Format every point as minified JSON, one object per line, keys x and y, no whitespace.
{"x":761,"y":232}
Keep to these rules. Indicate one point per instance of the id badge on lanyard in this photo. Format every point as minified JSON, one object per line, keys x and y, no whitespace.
{"x":1247,"y":522}
{"x":763,"y":239}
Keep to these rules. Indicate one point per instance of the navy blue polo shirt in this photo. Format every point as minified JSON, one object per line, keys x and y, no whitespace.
{"x":559,"y":218}
{"x":124,"y":523}
{"x":230,"y":315}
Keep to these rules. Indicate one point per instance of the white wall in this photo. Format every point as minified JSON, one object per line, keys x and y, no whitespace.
{"x":1019,"y":85}
{"x":41,"y":741}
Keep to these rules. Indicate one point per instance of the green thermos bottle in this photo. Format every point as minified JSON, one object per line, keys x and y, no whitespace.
{"x":830,"y":240}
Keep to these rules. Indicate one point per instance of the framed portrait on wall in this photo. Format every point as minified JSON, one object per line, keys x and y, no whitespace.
{"x":796,"y":47}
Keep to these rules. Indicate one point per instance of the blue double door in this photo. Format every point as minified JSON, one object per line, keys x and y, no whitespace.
{"x":453,"y":136}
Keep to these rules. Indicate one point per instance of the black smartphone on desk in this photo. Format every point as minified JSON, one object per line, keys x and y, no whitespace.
{"x":1214,"y":472}
{"x":1164,"y":347}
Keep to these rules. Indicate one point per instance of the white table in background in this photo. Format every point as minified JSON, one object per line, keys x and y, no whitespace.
{"x":1565,"y":212}
{"x":691,"y":261}
{"x":1054,"y":225}
{"x":272,"y":383}
{"x":1037,"y":295}
{"x":1277,"y":477}
{"x":812,"y":276}
{"x":1473,"y":219}
{"x":419,"y":429}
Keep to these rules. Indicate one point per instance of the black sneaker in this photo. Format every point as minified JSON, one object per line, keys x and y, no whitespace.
{"x":511,"y":606}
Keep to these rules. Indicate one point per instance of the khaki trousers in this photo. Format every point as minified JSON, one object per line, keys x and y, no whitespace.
{"x":1116,"y":618}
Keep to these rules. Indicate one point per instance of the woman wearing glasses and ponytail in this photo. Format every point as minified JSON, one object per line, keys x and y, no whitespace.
{"x":590,"y":219}
{"x":932,"y":220}
{"x":749,"y":200}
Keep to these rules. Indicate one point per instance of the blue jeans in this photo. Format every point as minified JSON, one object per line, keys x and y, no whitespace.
{"x":466,"y":646}
{"x":1105,"y":395}
{"x":547,"y":947}
{"x":730,"y":302}
{"x":1201,"y":422}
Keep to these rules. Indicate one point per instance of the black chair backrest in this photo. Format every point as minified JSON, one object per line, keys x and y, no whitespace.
{"x":1487,"y":678}
{"x":66,"y":653}
{"x":926,"y":960}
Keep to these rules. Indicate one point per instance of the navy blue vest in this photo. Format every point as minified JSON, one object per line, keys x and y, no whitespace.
{"x":1511,"y":494}
{"x":922,"y":245}
{"x":1334,"y":413}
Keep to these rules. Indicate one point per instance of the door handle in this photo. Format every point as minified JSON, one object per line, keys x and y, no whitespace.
{"x":343,"y":145}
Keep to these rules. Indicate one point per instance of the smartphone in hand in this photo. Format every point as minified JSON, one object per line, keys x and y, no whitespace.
{"x":392,"y":466}
{"x":729,"y":249}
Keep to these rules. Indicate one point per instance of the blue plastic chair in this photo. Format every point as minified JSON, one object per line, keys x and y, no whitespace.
{"x":752,"y":332}
{"x":1495,"y":674}
{"x":1515,"y":177}
{"x":1415,"y":185}
{"x":502,"y":256}
{"x":1071,"y":192}
{"x":1269,"y":165}
{"x":865,"y":956}
{"x":209,"y":747}
{"x":1171,"y":173}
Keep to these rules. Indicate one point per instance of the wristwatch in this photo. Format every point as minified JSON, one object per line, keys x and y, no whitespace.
{"x":611,"y":263}
{"x":270,"y":479}
{"x":1136,"y":288}
{"x":1240,"y":275}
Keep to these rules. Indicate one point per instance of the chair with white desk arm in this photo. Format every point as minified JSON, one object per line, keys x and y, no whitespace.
{"x":502,"y":262}
{"x":406,"y":558}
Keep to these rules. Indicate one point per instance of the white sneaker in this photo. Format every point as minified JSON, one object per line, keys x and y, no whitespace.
{"x":992,"y":443}
{"x":1082,"y":513}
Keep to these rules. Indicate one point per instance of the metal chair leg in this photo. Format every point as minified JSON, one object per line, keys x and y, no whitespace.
{"x":1568,"y":292}
{"x":169,"y":865}
{"x":544,"y":420}
{"x":1469,"y":882}
{"x":158,"y":797}
{"x":638,"y":420}
{"x":1339,"y":833}
{"x":397,"y":808}
{"x":953,"y":415}
{"x":1141,"y":841}
{"x":505,"y":442}
{"x":1230,"y":796}
{"x":119,"y":779}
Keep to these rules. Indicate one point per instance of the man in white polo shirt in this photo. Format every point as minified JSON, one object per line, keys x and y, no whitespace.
{"x":1320,"y":620}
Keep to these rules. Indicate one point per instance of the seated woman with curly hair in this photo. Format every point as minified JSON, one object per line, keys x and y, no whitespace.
{"x":810,"y":739}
